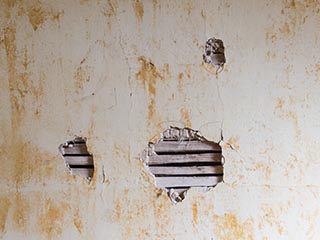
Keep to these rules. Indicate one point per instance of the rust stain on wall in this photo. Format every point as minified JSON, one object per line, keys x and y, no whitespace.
{"x":288,"y":114}
{"x":38,"y":15}
{"x":180,"y":82}
{"x":185,"y":117}
{"x":229,"y":227}
{"x":23,"y":85}
{"x":138,"y":9}
{"x":195,"y":212}
{"x":110,"y":11}
{"x":77,"y":220}
{"x":233,"y":141}
{"x":51,"y":219}
{"x":271,"y":218}
{"x":4,"y":208}
{"x":294,"y":15}
{"x":148,"y":76}
{"x":21,"y":211}
{"x":81,"y":77}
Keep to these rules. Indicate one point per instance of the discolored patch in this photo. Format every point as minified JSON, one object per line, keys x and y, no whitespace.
{"x":138,"y":9}
{"x":185,"y":117}
{"x":82,"y":76}
{"x":293,"y":16}
{"x":51,"y":219}
{"x":77,"y":221}
{"x":195,"y":212}
{"x":233,"y":142}
{"x":229,"y":226}
{"x":38,"y":15}
{"x":21,"y":211}
{"x":148,"y":76}
{"x":4,"y":208}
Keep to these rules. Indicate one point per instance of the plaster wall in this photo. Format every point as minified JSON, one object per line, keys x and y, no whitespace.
{"x":119,"y":73}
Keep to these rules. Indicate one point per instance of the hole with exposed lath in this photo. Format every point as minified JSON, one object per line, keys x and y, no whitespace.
{"x":182,"y":159}
{"x":77,"y":158}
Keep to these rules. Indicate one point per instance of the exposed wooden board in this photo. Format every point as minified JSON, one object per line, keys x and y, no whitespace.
{"x":185,"y":146}
{"x":185,"y":158}
{"x":85,"y":172}
{"x":187,"y":170}
{"x":75,"y":149}
{"x":79,"y":160}
{"x":170,"y":182}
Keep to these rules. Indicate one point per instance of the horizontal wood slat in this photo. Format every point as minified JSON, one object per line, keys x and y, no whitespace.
{"x":85,"y":172}
{"x":170,"y":182}
{"x":187,"y":170}
{"x":185,"y":146}
{"x":79,"y":160}
{"x":80,"y":148}
{"x":185,"y":158}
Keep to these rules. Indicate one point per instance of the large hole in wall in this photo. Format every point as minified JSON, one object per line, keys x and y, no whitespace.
{"x":182,"y":159}
{"x":77,"y":158}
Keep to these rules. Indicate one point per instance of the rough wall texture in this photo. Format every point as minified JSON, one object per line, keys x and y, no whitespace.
{"x":119,"y":73}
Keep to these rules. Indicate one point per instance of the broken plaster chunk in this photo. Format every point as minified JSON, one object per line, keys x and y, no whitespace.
{"x":182,"y":159}
{"x":214,"y":53}
{"x":77,"y":158}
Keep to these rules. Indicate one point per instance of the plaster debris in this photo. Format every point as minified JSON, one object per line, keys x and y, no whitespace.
{"x":182,"y":159}
{"x":77,"y":158}
{"x":214,"y":53}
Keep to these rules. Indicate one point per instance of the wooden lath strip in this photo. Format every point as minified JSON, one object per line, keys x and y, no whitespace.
{"x":185,"y":158}
{"x":186,"y":146}
{"x":79,"y":160}
{"x":80,"y":148}
{"x":170,"y":182}
{"x":85,"y":172}
{"x":186,"y":170}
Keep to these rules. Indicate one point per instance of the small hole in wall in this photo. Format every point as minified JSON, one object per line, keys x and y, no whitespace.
{"x":214,"y":53}
{"x":182,"y":159}
{"x":77,"y":158}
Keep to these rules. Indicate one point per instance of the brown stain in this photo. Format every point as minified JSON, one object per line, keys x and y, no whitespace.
{"x":38,"y":14}
{"x":148,"y":76}
{"x":285,"y":29}
{"x":110,"y":12}
{"x":50,"y":220}
{"x":288,"y":114}
{"x":180,"y":82}
{"x":81,"y":76}
{"x":264,"y":168}
{"x":293,"y":16}
{"x":280,"y":104}
{"x":188,"y":6}
{"x":25,"y":90}
{"x":21,"y":212}
{"x":138,"y":9}
{"x":4,"y":209}
{"x":6,"y":7}
{"x":195,"y":212}
{"x":203,"y":14}
{"x":229,"y":227}
{"x":185,"y":117}
{"x":271,"y":217}
{"x":118,"y":209}
{"x":77,"y":220}
{"x":233,"y":141}
{"x":11,"y":52}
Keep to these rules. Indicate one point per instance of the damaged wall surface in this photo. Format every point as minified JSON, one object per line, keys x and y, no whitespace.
{"x":119,"y":73}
